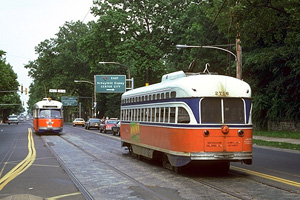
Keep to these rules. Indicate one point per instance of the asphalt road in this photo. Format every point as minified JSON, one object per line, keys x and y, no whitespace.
{"x":39,"y":173}
{"x":102,"y":170}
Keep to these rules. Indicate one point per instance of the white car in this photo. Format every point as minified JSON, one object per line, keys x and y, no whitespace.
{"x":13,"y":119}
{"x":79,"y":122}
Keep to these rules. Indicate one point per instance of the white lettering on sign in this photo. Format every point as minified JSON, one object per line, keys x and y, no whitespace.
{"x":119,"y":83}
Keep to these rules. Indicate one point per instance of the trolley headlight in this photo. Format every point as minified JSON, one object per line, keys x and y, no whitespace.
{"x":241,"y":133}
{"x":225,"y":129}
{"x":206,"y":133}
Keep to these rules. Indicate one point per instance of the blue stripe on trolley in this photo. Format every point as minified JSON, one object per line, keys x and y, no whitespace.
{"x":200,"y":126}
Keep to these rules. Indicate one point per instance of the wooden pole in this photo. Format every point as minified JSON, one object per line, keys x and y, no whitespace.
{"x":239,"y":59}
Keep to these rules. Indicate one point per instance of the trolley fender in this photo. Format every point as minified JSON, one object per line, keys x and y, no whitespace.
{"x":178,"y":161}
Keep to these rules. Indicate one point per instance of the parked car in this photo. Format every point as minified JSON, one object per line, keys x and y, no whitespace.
{"x":116,"y":128}
{"x":107,"y":126}
{"x":78,"y":122}
{"x":92,"y":123}
{"x":21,"y":118}
{"x":13,"y":119}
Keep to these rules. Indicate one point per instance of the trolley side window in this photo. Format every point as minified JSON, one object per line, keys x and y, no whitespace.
{"x":183,"y":115}
{"x":172,"y":114}
{"x":153,"y":115}
{"x":234,"y":111}
{"x":211,"y":110}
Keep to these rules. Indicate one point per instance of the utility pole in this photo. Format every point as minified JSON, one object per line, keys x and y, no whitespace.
{"x":238,"y":50}
{"x":239,"y":58}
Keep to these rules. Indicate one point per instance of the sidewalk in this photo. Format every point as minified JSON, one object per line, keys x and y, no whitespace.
{"x":272,"y":139}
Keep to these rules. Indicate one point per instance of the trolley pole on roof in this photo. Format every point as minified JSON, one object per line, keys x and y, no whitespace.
{"x":238,"y":57}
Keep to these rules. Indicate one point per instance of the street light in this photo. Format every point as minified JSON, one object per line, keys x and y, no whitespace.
{"x":129,"y":79}
{"x":180,"y":46}
{"x":237,"y":58}
{"x":95,"y":99}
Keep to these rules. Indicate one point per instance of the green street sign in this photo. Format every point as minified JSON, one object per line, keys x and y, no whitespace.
{"x":110,"y":83}
{"x":69,"y":101}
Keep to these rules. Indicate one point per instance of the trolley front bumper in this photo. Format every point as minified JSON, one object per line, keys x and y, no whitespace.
{"x":50,"y":129}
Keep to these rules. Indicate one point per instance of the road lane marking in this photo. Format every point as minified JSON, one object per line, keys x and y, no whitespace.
{"x":266,"y":176}
{"x":63,"y":196}
{"x":23,"y":165}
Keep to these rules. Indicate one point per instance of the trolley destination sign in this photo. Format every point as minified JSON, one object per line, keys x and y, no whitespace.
{"x":110,"y":83}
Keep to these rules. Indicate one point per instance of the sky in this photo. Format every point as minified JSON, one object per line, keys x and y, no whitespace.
{"x":26,"y":23}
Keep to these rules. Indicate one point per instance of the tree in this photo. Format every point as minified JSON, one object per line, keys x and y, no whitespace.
{"x":8,"y":82}
{"x":143,"y":35}
{"x":59,"y":63}
{"x":269,"y":33}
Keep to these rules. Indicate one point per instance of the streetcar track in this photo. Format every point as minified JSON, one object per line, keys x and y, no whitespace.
{"x":202,"y":182}
{"x":235,"y":171}
{"x":206,"y":183}
{"x":219,"y":189}
{"x":78,"y":184}
{"x":144,"y":187}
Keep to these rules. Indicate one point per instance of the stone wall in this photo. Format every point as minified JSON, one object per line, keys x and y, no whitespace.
{"x":283,"y":126}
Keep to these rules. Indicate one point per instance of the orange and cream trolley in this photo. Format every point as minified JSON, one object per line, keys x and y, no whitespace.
{"x":48,"y":116}
{"x":189,"y":117}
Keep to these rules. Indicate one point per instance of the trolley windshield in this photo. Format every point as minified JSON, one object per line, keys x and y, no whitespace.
{"x":50,"y":113}
{"x":222,"y":110}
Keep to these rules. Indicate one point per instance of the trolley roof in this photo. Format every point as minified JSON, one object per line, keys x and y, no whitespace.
{"x":48,"y":103}
{"x":196,"y":85}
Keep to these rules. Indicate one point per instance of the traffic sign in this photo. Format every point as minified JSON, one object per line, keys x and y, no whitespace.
{"x":61,"y":91}
{"x":110,"y":83}
{"x":53,"y":90}
{"x":69,"y":101}
{"x":57,"y":90}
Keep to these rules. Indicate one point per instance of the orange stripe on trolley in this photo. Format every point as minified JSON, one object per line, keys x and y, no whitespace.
{"x":188,"y":140}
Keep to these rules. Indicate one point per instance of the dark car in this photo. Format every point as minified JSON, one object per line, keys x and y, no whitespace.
{"x":92,"y":123}
{"x":107,"y":126}
{"x":116,"y":128}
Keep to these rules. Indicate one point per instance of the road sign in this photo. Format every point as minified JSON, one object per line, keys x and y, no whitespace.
{"x":53,"y":90}
{"x":57,"y":90}
{"x":69,"y":101}
{"x":61,"y":91}
{"x":110,"y":83}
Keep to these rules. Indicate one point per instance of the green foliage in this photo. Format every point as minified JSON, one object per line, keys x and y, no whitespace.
{"x":194,"y":27}
{"x":269,"y":32}
{"x":8,"y":82}
{"x":281,"y":145}
{"x":278,"y":134}
{"x":60,"y":62}
{"x":142,"y":36}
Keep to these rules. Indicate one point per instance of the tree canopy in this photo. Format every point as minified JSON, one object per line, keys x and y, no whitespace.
{"x":142,"y":35}
{"x":8,"y":87}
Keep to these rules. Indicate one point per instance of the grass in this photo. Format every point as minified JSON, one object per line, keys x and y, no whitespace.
{"x":278,"y":134}
{"x":281,"y":145}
